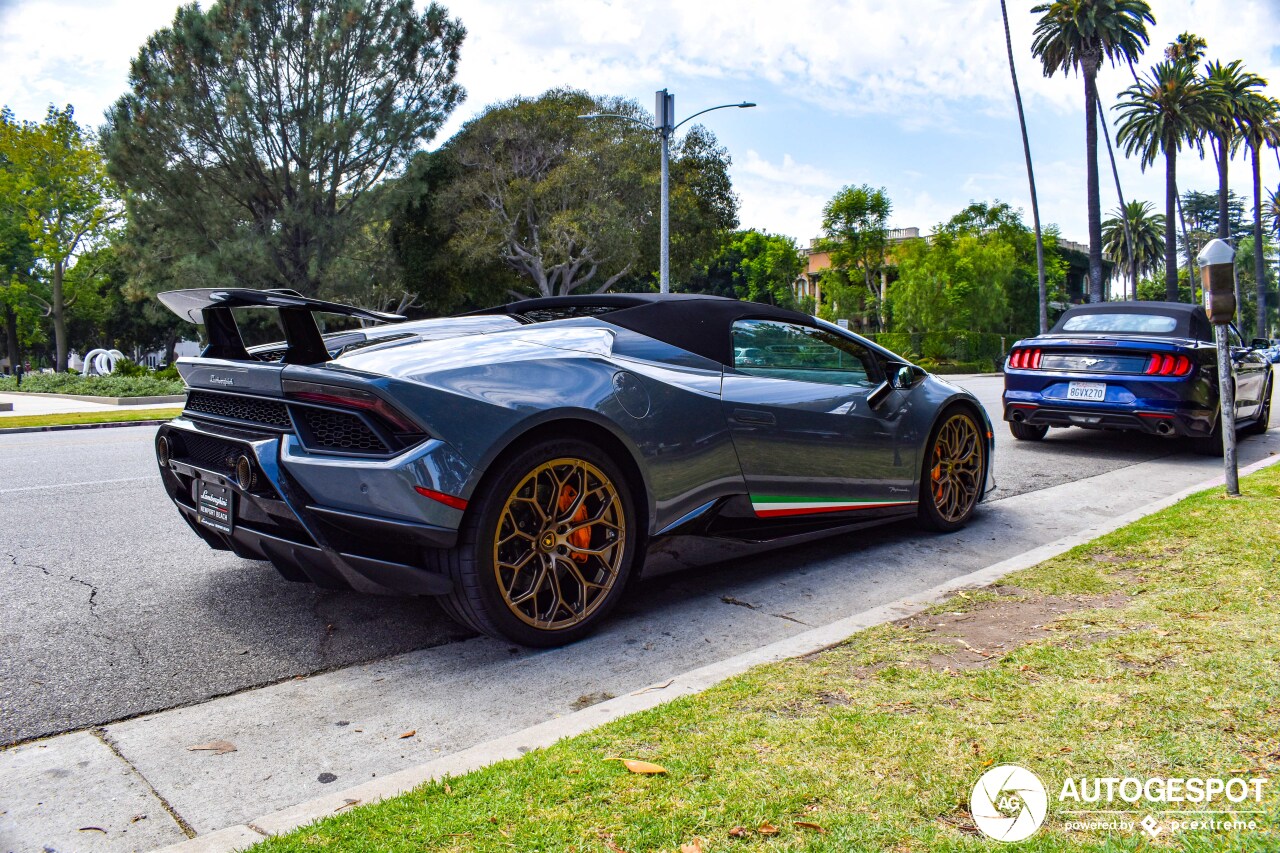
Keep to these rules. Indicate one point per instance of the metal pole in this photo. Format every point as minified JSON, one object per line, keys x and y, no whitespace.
{"x":664,"y":261}
{"x":1227,"y":398}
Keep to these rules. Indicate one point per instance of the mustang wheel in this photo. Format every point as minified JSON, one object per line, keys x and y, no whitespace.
{"x":546,"y":553}
{"x":1027,"y":432}
{"x":954,"y":470}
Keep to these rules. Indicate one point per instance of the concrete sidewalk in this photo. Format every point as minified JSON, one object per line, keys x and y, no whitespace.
{"x":339,"y":736}
{"x":33,"y":404}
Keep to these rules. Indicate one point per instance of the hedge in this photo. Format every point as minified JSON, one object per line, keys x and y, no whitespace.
{"x":150,"y":385}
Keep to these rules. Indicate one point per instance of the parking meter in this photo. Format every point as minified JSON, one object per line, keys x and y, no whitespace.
{"x":1217,"y":273}
{"x":1218,"y":277}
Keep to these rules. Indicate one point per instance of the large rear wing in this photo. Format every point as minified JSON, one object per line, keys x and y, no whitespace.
{"x":212,"y":307}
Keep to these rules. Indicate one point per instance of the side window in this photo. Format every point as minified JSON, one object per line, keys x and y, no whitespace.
{"x":801,"y":353}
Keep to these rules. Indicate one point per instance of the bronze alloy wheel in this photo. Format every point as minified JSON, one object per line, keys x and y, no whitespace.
{"x":955,"y":475}
{"x":559,"y":544}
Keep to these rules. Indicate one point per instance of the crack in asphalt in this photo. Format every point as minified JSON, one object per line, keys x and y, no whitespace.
{"x":738,"y":602}
{"x":93,"y":589}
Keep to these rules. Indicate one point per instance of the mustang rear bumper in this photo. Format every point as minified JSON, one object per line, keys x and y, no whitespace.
{"x":277,"y":519}
{"x":1192,"y":423}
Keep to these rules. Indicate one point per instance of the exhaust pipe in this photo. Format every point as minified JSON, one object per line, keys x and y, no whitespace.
{"x":1018,"y":417}
{"x":1164,"y":428}
{"x":245,"y":475}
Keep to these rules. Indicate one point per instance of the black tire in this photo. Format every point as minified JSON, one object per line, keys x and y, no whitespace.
{"x":938,"y":510}
{"x":1027,"y":432}
{"x":478,"y":598}
{"x":1262,"y":422}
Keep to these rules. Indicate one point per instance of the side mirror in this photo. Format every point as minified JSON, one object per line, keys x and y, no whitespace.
{"x":1260,"y":343}
{"x":906,"y":376}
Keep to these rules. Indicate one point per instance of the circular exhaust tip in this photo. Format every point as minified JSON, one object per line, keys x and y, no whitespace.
{"x":244,"y":473}
{"x":1018,"y":417}
{"x":164,"y":452}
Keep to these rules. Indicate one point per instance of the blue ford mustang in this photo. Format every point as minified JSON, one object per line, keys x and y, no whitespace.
{"x":524,"y":462}
{"x":1145,"y":366}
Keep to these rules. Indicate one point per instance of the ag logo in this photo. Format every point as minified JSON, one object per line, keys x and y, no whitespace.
{"x":1008,"y":803}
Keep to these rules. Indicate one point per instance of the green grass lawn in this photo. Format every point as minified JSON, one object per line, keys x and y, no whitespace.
{"x":1149,"y":652}
{"x":65,"y":418}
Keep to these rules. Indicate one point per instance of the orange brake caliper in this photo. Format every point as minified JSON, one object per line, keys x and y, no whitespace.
{"x":937,"y":478}
{"x":580,"y":538}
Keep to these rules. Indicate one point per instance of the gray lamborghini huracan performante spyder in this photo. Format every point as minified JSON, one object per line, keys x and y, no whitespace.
{"x":523,"y":462}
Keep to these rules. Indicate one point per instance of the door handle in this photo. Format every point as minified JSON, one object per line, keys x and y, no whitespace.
{"x":754,"y":416}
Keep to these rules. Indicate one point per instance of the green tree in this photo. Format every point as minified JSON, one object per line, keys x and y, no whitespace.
{"x":57,"y":187}
{"x":1150,"y":243}
{"x":1159,"y":114}
{"x":254,"y":130}
{"x":570,"y":204}
{"x":855,"y":233}
{"x":959,"y":281}
{"x":751,"y":265}
{"x":1077,"y":35}
{"x":989,"y":231}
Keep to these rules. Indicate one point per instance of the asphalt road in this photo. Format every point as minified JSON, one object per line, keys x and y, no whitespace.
{"x":112,"y":608}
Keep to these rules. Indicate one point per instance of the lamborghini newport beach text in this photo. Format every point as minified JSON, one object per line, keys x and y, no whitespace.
{"x":524,"y":462}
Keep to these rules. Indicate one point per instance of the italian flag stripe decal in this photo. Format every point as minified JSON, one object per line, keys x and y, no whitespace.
{"x":774,"y":506}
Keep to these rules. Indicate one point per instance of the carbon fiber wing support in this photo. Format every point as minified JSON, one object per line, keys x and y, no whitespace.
{"x":212,"y":307}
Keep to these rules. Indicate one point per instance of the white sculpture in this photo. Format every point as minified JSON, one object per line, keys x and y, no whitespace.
{"x":101,"y":362}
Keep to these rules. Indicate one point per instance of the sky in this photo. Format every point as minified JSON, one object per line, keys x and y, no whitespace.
{"x":910,"y":95}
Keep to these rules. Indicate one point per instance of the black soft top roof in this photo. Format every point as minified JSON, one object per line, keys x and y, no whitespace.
{"x":1192,"y":322}
{"x":694,"y":322}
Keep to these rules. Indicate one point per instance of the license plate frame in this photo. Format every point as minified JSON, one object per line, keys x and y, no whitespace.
{"x":215,"y":506}
{"x":1089,"y":392}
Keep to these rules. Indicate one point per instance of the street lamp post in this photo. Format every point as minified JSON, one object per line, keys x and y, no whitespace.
{"x":665,"y":126}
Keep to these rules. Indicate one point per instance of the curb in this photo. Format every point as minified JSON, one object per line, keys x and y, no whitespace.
{"x":544,"y":734}
{"x":61,"y":427}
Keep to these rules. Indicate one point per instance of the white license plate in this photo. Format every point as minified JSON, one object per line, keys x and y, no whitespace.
{"x":1096,"y":391}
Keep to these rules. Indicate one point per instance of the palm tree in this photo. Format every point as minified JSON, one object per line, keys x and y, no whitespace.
{"x":1031,"y":176}
{"x":1260,"y":126}
{"x":1163,"y":110}
{"x":1187,"y":47}
{"x":1231,"y":90}
{"x":1077,"y":35}
{"x":1145,"y":228}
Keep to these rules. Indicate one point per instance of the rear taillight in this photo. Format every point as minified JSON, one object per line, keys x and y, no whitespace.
{"x":1025,"y":359}
{"x":1162,"y":364}
{"x":350,"y":398}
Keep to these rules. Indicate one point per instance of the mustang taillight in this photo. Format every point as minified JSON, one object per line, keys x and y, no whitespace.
{"x":1025,"y":359}
{"x":1168,"y":365}
{"x":351,"y":398}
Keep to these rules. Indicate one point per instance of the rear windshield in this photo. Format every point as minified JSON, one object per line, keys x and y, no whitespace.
{"x":1141,"y":324}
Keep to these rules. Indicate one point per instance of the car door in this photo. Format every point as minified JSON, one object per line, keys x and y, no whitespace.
{"x":799,"y":402}
{"x":1251,"y":371}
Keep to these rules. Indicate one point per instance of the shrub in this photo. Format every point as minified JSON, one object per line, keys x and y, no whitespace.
{"x":148,"y":385}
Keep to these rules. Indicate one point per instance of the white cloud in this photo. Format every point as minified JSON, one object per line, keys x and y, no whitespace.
{"x":856,"y":89}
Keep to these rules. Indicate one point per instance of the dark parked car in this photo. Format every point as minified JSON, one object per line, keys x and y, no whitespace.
{"x":1145,"y":366}
{"x":523,"y":462}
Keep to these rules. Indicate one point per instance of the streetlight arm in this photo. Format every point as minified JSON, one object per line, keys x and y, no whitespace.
{"x":631,"y":119}
{"x":742,"y":106}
